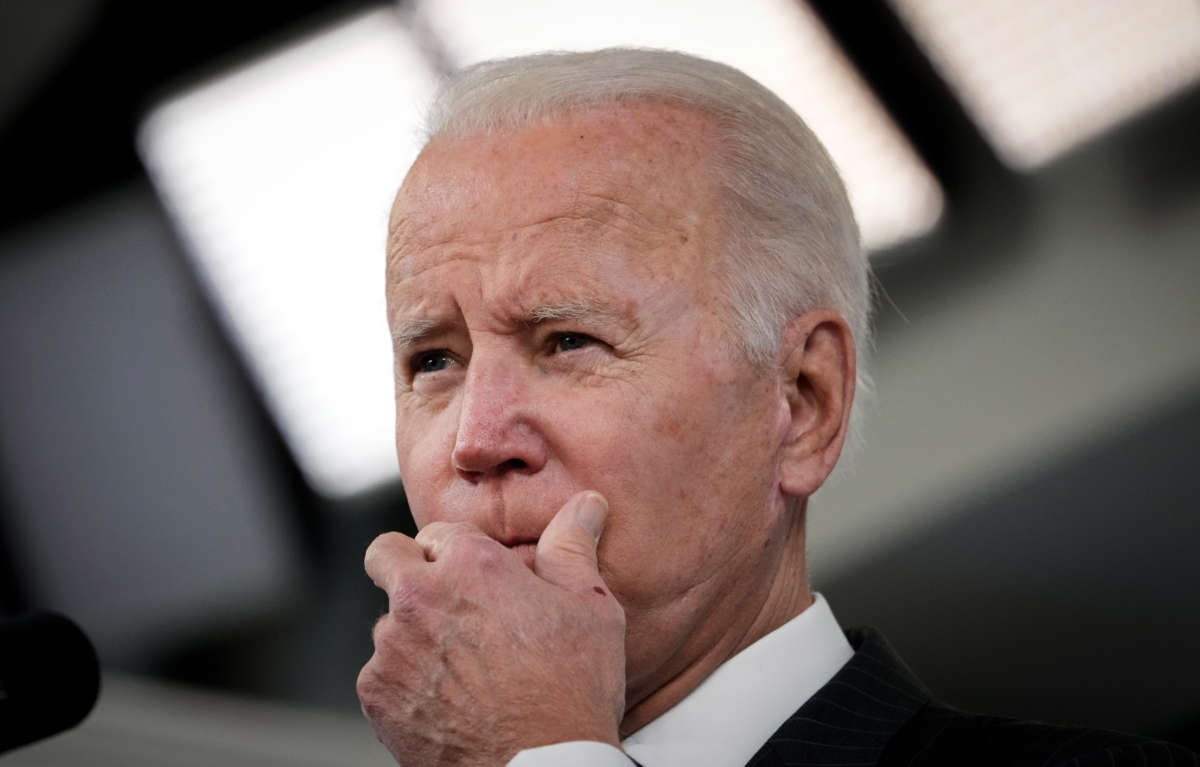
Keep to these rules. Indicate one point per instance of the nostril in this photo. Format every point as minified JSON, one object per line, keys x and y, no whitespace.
{"x":512,"y":464}
{"x":480,"y":463}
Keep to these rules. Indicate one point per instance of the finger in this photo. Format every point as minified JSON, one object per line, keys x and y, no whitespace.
{"x":386,"y":557}
{"x":566,"y":552}
{"x":435,"y":537}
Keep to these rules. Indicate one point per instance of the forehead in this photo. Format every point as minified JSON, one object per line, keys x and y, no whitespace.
{"x":639,"y":173}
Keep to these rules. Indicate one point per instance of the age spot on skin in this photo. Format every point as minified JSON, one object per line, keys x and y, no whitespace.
{"x":670,"y":426}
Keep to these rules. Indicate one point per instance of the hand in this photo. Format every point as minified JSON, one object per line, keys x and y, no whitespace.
{"x":478,"y":658}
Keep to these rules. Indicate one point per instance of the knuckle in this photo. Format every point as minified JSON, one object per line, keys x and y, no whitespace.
{"x":476,"y":547}
{"x":441,"y":533}
{"x":434,"y":531}
{"x":364,"y":685}
{"x":380,"y":629}
{"x":389,"y":641}
{"x":408,"y":598}
{"x":368,"y":686}
{"x":469,"y":548}
{"x":379,"y":549}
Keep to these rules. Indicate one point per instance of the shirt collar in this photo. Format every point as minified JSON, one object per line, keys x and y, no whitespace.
{"x":757,"y":689}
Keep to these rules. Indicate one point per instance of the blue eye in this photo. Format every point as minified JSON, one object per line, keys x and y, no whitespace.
{"x":431,"y":361}
{"x":565,"y":342}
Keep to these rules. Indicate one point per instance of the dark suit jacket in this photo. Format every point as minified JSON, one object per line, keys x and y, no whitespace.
{"x":875,"y":712}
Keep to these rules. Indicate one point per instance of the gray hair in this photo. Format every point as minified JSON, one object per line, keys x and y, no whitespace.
{"x":793,"y":244}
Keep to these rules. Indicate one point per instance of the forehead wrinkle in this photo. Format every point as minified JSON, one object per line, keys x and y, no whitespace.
{"x":408,"y":255}
{"x":592,"y":201}
{"x":399,"y":234}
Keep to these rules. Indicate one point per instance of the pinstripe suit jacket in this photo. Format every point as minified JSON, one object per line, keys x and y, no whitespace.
{"x":875,"y":712}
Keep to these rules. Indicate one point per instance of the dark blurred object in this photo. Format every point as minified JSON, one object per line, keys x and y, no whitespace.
{"x":1079,"y":582}
{"x":77,"y":88}
{"x":49,"y":678}
{"x":138,"y":490}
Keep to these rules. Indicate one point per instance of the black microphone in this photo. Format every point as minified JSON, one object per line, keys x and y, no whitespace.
{"x":49,"y":677}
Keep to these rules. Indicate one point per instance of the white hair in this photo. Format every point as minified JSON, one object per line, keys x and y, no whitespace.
{"x":793,"y":244}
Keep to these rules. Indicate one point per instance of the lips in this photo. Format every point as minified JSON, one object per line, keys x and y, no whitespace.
{"x":512,"y":512}
{"x":508,"y":511}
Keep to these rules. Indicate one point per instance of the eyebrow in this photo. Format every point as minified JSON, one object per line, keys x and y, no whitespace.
{"x":565,"y":310}
{"x":411,"y":331}
{"x":408,"y":332}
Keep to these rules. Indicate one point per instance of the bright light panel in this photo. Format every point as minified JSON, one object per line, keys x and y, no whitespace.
{"x":1041,"y":77}
{"x":280,"y":177}
{"x":778,"y":42}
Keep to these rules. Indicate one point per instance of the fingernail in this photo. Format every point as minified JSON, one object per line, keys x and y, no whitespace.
{"x":593,"y":510}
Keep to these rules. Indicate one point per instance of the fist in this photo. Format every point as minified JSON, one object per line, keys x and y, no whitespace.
{"x":478,"y":657}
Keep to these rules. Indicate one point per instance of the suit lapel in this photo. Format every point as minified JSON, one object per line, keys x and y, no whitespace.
{"x":851,"y":719}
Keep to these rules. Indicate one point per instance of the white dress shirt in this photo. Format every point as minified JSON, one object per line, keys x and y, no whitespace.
{"x":730,"y":715}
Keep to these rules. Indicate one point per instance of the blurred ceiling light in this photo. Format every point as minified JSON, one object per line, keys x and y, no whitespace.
{"x":1041,"y":77}
{"x":778,"y":42}
{"x":280,"y":177}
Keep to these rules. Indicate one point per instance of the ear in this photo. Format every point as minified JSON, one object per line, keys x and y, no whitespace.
{"x":819,"y":370}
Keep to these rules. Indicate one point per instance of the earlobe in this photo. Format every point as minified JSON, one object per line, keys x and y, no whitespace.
{"x":819,"y":371}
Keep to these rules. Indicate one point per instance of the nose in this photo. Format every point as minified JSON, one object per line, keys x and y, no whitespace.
{"x":496,"y":423}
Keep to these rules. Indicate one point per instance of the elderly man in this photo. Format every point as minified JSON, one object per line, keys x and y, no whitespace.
{"x":628,"y":306}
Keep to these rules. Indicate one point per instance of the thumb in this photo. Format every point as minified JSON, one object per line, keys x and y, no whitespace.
{"x":566,"y":552}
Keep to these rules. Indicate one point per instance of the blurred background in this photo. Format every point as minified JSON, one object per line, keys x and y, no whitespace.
{"x":195,"y":408}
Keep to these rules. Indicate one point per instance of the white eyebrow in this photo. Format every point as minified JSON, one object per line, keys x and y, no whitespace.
{"x":565,"y":310}
{"x":411,"y":331}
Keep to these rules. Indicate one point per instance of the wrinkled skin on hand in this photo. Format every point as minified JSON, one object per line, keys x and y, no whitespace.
{"x":479,"y":657}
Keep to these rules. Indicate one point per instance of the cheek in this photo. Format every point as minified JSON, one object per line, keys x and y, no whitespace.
{"x":667,"y":496}
{"x":423,"y":446}
{"x":716,"y":448}
{"x":716,"y":431}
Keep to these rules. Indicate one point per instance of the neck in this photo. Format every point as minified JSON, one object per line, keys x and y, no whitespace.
{"x":787,"y":595}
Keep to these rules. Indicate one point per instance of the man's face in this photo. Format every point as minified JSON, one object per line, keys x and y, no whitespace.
{"x":554,"y":294}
